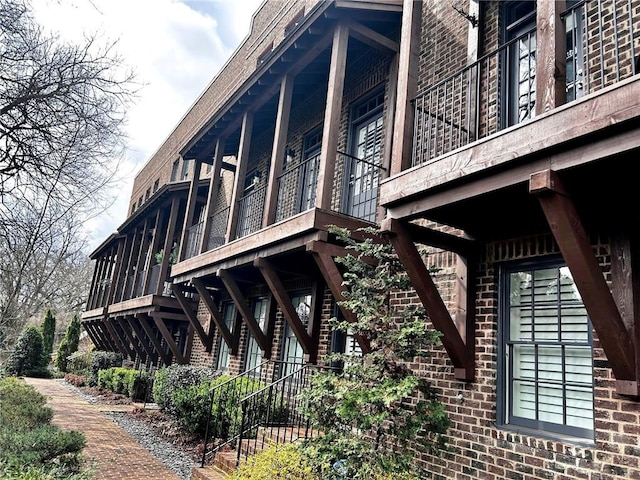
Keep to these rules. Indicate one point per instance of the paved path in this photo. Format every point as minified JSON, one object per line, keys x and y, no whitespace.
{"x":114,"y":453}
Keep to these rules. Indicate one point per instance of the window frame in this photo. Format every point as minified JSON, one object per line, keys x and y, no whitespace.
{"x":505,"y":418}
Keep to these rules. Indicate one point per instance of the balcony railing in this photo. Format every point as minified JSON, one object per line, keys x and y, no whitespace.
{"x":297,"y":188}
{"x":218,"y":228}
{"x":193,"y":237}
{"x":360,"y":195}
{"x":250,"y":212}
{"x":154,"y":276}
{"x":499,"y":89}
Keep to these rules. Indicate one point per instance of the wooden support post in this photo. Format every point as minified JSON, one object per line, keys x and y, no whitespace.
{"x":286,"y":306}
{"x":191,"y":315}
{"x":117,"y":339}
{"x":315,"y":320}
{"x":95,"y":280}
{"x":245,"y":310}
{"x":462,"y":355}
{"x":551,"y":55}
{"x":115,"y":279}
{"x":216,"y":316}
{"x":214,"y":188}
{"x":140,"y":260}
{"x":168,"y":243}
{"x":407,"y":86}
{"x":333,"y":110}
{"x":168,"y":338}
{"x":332,"y":276}
{"x":97,"y":341}
{"x":153,"y":249}
{"x":278,"y":151}
{"x":625,"y":284}
{"x":241,"y":172}
{"x":192,"y":200}
{"x":574,"y":244}
{"x":146,"y":326}
{"x":104,"y":333}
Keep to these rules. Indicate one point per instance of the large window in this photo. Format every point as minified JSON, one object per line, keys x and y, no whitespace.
{"x":546,"y":371}
{"x":292,"y":352}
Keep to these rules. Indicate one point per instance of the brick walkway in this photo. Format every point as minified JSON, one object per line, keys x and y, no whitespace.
{"x":114,"y":453}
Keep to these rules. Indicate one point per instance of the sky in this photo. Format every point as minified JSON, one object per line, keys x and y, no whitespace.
{"x":175,"y":47}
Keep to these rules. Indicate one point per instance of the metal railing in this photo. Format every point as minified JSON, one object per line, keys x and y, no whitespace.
{"x":250,"y":212}
{"x":154,"y":278}
{"x":241,"y":401}
{"x":297,"y":188}
{"x":489,"y":95}
{"x":218,"y":228}
{"x":274,"y":414}
{"x":193,"y":237}
{"x":360,"y":197}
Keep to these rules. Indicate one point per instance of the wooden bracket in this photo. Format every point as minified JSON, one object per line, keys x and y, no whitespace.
{"x":151,"y":335}
{"x":284,"y":301}
{"x":126,"y":328}
{"x":333,"y":277}
{"x":245,"y":311}
{"x":461,"y":351}
{"x":216,"y":316}
{"x":148,"y":348}
{"x":117,"y":339}
{"x":168,"y":338}
{"x":577,"y":251}
{"x":191,"y":315}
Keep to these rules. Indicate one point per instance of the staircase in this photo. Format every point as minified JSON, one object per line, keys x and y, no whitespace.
{"x":271,"y":414}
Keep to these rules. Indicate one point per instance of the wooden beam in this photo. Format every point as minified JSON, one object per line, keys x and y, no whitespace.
{"x":461,"y":354}
{"x":372,"y":38}
{"x":168,"y":338}
{"x":241,"y":172}
{"x":315,"y":319}
{"x":551,"y":55}
{"x":408,"y":62}
{"x":434,"y":238}
{"x":574,"y":244}
{"x":278,"y":151}
{"x":332,"y":115}
{"x":216,"y":316}
{"x":118,"y":341}
{"x":192,"y":200}
{"x":245,"y":310}
{"x":332,"y":276}
{"x":625,"y":284}
{"x":104,"y":333}
{"x":214,"y":189}
{"x":170,"y":316}
{"x":168,"y":243}
{"x":123,"y":245}
{"x":191,"y":316}
{"x":142,"y":337}
{"x":154,"y":248}
{"x":284,"y":301}
{"x":333,"y":250}
{"x":126,"y":328}
{"x":97,"y":341}
{"x":146,"y":326}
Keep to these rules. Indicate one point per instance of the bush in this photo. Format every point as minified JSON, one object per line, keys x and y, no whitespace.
{"x":75,"y":380}
{"x":105,"y":379}
{"x":170,"y":379}
{"x":27,"y":357}
{"x":192,"y":405}
{"x":103,"y":361}
{"x":140,"y":386}
{"x":48,"y":330}
{"x":27,"y":438}
{"x":69,"y":344}
{"x":80,"y":363}
{"x":125,"y":381}
{"x":278,"y":461}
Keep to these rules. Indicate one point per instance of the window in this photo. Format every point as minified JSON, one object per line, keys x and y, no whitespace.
{"x":362,"y":165}
{"x":174,"y":170}
{"x":546,"y":372}
{"x":253,"y":356}
{"x":575,"y":56}
{"x":147,"y":194}
{"x":519,"y":30}
{"x":309,"y":173}
{"x":292,"y":352}
{"x":156,"y":185}
{"x":229,"y":313}
{"x":186,"y":165}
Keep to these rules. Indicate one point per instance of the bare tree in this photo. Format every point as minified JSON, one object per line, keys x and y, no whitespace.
{"x":62,"y":112}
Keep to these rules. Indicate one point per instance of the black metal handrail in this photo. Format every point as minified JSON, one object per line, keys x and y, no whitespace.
{"x":250,"y":212}
{"x":297,"y":188}
{"x":218,"y":228}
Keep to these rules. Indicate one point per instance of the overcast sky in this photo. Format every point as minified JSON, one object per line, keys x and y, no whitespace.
{"x":175,"y":47}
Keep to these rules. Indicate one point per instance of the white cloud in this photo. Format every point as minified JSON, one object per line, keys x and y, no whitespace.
{"x":175,"y":48}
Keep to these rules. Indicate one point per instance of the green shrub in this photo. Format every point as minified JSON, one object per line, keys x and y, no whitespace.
{"x":48,"y":330}
{"x":69,"y":344}
{"x":75,"y":380}
{"x":41,"y":473}
{"x":278,"y":461}
{"x":170,"y":379}
{"x":192,"y":405}
{"x":27,"y":357}
{"x":105,"y":379}
{"x":80,"y":363}
{"x":140,"y":385}
{"x":103,"y":361}
{"x":120,"y":380}
{"x":28,"y":439}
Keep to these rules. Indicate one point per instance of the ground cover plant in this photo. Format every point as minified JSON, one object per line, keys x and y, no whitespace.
{"x":28,"y":440}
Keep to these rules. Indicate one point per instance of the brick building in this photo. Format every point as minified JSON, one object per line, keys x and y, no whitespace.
{"x":496,"y":134}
